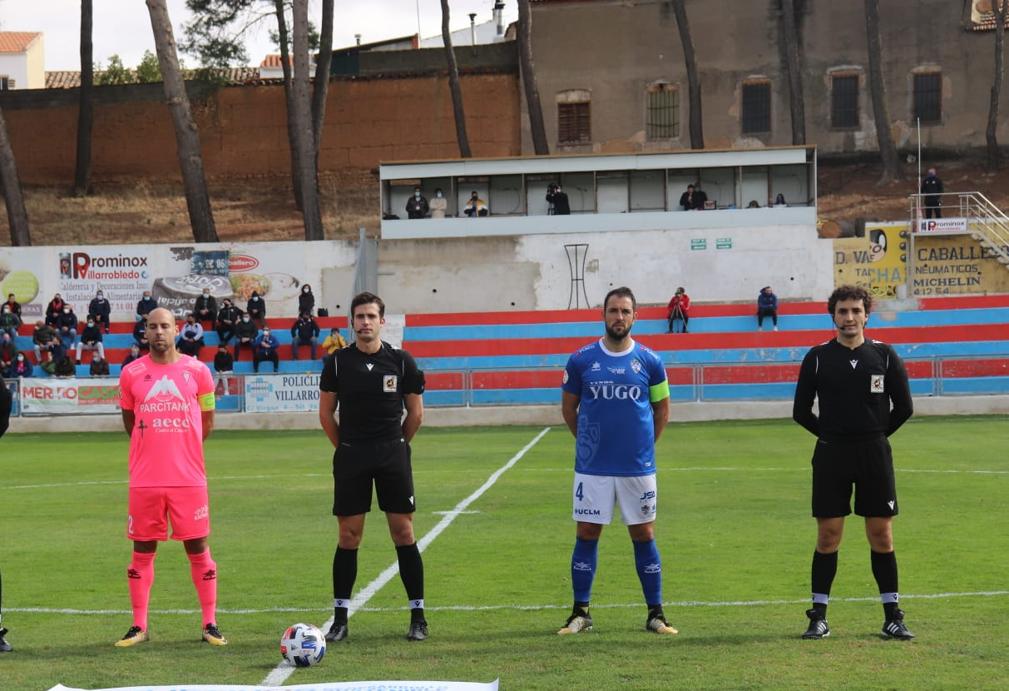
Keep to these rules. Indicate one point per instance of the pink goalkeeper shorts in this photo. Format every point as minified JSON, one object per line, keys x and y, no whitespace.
{"x":151,"y":508}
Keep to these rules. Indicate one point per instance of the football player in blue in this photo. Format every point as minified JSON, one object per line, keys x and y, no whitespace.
{"x":616,"y":404}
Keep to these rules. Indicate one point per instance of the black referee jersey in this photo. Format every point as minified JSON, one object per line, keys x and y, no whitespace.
{"x":370,"y":389}
{"x":855,"y":389}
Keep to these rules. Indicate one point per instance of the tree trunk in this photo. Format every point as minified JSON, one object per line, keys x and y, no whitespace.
{"x":303,"y":125}
{"x":86,"y":108}
{"x":17,"y":215}
{"x":693,"y":80}
{"x":880,"y":109}
{"x":285,"y":64}
{"x":994,"y":157}
{"x":453,"y":83}
{"x":536,"y":127}
{"x":321,"y":86}
{"x":792,"y":46}
{"x":187,"y":137}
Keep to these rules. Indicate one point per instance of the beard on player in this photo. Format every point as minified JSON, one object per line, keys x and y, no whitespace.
{"x":618,"y":332}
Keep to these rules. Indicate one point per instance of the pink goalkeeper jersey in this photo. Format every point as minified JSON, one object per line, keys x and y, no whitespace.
{"x":166,"y":447}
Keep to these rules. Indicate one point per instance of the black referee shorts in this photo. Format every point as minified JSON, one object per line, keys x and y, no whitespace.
{"x":865,"y":465}
{"x":356,"y":465}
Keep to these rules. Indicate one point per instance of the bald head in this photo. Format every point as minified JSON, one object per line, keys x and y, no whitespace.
{"x":161,"y":331}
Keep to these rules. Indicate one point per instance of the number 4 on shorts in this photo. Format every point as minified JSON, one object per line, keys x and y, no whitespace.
{"x":578,"y":492}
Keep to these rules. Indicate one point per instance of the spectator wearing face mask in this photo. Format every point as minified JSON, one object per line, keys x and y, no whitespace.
{"x":100,"y":310}
{"x":45,"y":340}
{"x":54,"y":309}
{"x":224,"y":365}
{"x":265,"y":348}
{"x":146,"y":304}
{"x":305,"y":331}
{"x":245,"y":335}
{"x":91,"y":339}
{"x":438,"y":205}
{"x":416,"y":206}
{"x":306,"y":301}
{"x":66,"y":326}
{"x":476,"y":206}
{"x":140,"y":334}
{"x":190,"y":337}
{"x":13,"y":304}
{"x":205,"y":308}
{"x":134,"y":354}
{"x":227,"y":319}
{"x":256,"y":309}
{"x":334,"y":341}
{"x":99,"y":367}
{"x":19,"y":367}
{"x":9,"y":321}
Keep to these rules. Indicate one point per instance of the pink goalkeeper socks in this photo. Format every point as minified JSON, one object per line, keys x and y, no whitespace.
{"x":204,"y":572}
{"x":140,"y":576}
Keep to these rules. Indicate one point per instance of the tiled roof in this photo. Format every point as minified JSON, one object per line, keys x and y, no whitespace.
{"x":272,"y":60}
{"x":17,"y":41}
{"x":232,"y":76}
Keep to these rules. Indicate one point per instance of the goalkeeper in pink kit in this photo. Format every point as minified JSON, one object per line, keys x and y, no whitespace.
{"x":167,"y":400}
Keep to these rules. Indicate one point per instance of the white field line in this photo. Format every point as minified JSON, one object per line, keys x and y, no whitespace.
{"x":531,"y":608}
{"x":282,"y":671}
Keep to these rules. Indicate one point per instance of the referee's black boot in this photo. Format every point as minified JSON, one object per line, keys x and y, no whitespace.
{"x":337,"y":632}
{"x":895,"y":628}
{"x":418,"y":630}
{"x":5,"y":647}
{"x":817,"y":626}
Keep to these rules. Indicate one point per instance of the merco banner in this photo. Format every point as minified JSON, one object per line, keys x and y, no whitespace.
{"x":53,"y":396}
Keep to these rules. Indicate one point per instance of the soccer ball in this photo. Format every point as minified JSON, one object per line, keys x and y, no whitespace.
{"x":302,"y":645}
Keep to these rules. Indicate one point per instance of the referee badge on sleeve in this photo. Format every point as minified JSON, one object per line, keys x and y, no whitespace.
{"x":389,"y":383}
{"x":876,"y":383}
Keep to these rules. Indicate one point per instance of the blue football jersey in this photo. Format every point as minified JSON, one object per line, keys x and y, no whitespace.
{"x":616,"y":431}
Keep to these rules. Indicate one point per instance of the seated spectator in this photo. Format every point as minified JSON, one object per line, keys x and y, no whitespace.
{"x":64,"y":367}
{"x":140,"y":333}
{"x":9,"y":321}
{"x":146,"y":304}
{"x":754,"y":204}
{"x":256,"y":309}
{"x":334,"y":341}
{"x":227,"y":319}
{"x":693,"y":199}
{"x":13,"y":305}
{"x":133,"y":355}
{"x":780,"y":200}
{"x":265,"y":348}
{"x":205,"y":309}
{"x":476,"y":206}
{"x":66,"y":326}
{"x":416,"y":206}
{"x":54,"y":308}
{"x":91,"y":339}
{"x":100,"y":310}
{"x":678,"y":309}
{"x":224,"y":364}
{"x":767,"y":306}
{"x":190,"y":337}
{"x":20,"y":367}
{"x":99,"y":367}
{"x":305,"y":331}
{"x":245,"y":335}
{"x":8,"y":352}
{"x":45,"y":340}
{"x":439,"y":204}
{"x":306,"y":300}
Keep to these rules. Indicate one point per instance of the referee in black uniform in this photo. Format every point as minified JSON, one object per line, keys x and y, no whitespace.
{"x":5,"y":414}
{"x":372,"y":382}
{"x":856,"y":381}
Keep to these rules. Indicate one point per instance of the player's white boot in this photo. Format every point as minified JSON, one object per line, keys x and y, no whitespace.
{"x":578,"y":621}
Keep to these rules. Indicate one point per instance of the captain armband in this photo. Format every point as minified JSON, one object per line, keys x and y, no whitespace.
{"x":658,"y":392}
{"x":207,"y":402}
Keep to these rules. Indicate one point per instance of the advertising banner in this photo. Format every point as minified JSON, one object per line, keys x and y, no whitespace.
{"x":69,"y":396}
{"x":877,"y":262}
{"x":281,"y":393}
{"x":942,"y":226}
{"x":175,"y":274}
{"x":957,"y":265}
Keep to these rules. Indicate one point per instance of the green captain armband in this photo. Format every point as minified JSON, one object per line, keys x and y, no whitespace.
{"x":659,"y":392}
{"x":208,"y":402}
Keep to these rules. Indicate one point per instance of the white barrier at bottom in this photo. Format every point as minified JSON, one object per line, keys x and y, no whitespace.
{"x":338,"y":686}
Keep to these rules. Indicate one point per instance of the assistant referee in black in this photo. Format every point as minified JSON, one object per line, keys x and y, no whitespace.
{"x":372,"y":382}
{"x":6,"y":401}
{"x":864,"y":397}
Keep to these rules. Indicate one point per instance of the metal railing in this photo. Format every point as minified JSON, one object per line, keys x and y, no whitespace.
{"x":986,"y":222}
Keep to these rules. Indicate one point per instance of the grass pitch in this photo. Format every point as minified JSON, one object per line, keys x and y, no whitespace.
{"x":733,"y":528}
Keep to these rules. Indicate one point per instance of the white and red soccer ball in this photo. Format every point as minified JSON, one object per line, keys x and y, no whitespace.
{"x":303,"y":645}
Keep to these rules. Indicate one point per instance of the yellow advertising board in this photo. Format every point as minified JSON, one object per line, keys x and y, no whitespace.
{"x":876,"y":262}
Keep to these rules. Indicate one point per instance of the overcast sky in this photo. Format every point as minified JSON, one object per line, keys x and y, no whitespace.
{"x":123,"y":27}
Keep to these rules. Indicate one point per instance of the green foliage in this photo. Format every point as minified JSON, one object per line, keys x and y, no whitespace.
{"x":313,"y":38}
{"x":733,"y":528}
{"x":148,"y":70}
{"x":114,"y":73}
{"x":214,"y":34}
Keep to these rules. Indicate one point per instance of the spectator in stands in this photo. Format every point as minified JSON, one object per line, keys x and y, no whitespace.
{"x":767,"y":306}
{"x":66,"y":326}
{"x":439,"y":205}
{"x":245,"y":335}
{"x":678,"y":309}
{"x":146,"y":304}
{"x":692,"y":199}
{"x":54,"y":309}
{"x":100,"y":310}
{"x":13,"y":304}
{"x":306,"y":301}
{"x":140,"y":333}
{"x":754,"y":204}
{"x":476,"y":206}
{"x":205,"y":309}
{"x":8,"y":352}
{"x":134,"y":354}
{"x":20,"y":367}
{"x":256,"y":309}
{"x":557,"y":201}
{"x":44,"y":339}
{"x":265,"y":348}
{"x":780,"y":200}
{"x":932,"y":188}
{"x":9,"y":321}
{"x":305,"y":331}
{"x":334,"y":341}
{"x":227,"y":319}
{"x":224,"y":364}
{"x":190,"y":337}
{"x":91,"y":339}
{"x":416,"y":206}
{"x":99,"y":367}
{"x":64,"y":367}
